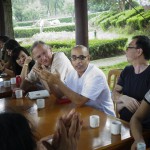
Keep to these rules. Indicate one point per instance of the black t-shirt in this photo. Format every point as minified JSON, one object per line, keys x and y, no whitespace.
{"x":134,"y":85}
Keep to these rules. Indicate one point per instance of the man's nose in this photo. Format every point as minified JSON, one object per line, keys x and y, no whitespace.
{"x":78,"y":60}
{"x":43,"y":57}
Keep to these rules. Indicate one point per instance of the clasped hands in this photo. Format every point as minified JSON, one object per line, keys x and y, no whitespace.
{"x":129,"y":102}
{"x":67,"y":134}
{"x":44,"y":74}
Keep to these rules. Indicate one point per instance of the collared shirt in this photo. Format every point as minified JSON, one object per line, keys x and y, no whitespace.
{"x":60,"y":62}
{"x":92,"y":85}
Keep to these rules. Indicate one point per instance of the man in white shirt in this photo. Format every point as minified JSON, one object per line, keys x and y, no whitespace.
{"x":42,"y":54}
{"x":85,"y":85}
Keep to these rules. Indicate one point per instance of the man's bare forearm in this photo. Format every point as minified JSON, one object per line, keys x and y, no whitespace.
{"x":136,"y":128}
{"x":116,"y":95}
{"x":73,"y":96}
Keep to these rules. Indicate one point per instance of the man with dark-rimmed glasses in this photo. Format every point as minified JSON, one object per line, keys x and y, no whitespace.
{"x":134,"y":80}
{"x":85,"y":85}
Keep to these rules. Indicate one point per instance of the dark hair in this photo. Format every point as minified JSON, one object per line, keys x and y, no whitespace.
{"x":4,"y":38}
{"x":11,"y":44}
{"x":16,"y":133}
{"x":36,"y":43}
{"x":143,"y":42}
{"x":15,"y":54}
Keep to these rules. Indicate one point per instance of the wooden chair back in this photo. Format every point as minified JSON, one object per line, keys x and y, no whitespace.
{"x":113,"y":76}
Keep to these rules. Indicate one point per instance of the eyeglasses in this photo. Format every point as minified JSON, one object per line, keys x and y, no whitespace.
{"x":81,"y":57}
{"x":131,"y":47}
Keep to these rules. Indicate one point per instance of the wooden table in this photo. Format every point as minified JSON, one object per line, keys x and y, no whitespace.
{"x":44,"y":122}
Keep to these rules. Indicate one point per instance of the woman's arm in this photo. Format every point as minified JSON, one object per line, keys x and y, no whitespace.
{"x":7,"y":71}
{"x":24,"y":71}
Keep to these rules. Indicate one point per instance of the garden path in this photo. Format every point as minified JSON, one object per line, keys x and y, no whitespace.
{"x":109,"y":61}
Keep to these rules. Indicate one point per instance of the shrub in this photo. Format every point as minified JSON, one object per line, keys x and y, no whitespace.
{"x":122,"y":20}
{"x":106,"y":48}
{"x":105,"y":24}
{"x":27,"y":23}
{"x":29,"y":32}
{"x":144,"y":21}
{"x":113,"y":19}
{"x":133,"y":21}
{"x":101,"y":17}
{"x":98,"y":48}
{"x":66,"y":19}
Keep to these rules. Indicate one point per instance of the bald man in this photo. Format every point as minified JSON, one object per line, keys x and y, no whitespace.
{"x":86,"y":85}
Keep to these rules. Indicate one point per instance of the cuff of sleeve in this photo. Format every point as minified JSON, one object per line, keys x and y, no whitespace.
{"x":147,"y":96}
{"x":146,"y":101}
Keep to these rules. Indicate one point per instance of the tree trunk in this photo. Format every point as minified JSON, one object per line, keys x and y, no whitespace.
{"x":2,"y":22}
{"x":130,"y":2}
{"x":122,"y":5}
{"x":8,"y":18}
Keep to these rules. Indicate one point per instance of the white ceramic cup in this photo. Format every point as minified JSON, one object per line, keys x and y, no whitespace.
{"x":94,"y":121}
{"x":40,"y":103}
{"x":13,"y":80}
{"x":7,"y":83}
{"x":18,"y":93}
{"x":141,"y":145}
{"x":115,"y":127}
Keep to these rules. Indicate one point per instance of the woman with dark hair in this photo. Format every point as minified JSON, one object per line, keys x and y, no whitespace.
{"x":6,"y":67}
{"x":3,"y":40}
{"x":10,"y":45}
{"x":22,"y":63}
{"x":16,"y":133}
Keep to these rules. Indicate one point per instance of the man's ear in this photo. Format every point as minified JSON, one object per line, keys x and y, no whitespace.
{"x":140,"y":51}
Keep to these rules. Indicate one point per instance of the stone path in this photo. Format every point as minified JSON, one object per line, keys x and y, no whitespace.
{"x":109,"y":61}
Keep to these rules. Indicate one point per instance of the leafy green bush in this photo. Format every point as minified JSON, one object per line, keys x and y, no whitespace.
{"x":27,"y":23}
{"x":139,"y":21}
{"x":144,"y":21}
{"x":114,"y":18}
{"x":131,"y":18}
{"x":104,"y":21}
{"x":29,"y":32}
{"x":101,"y":17}
{"x":133,"y":21}
{"x":66,"y":19}
{"x":98,"y":48}
{"x":106,"y":48}
{"x":61,"y":44}
{"x":128,"y":14}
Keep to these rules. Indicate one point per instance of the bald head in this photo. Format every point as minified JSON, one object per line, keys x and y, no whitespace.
{"x":81,"y":48}
{"x":80,"y":58}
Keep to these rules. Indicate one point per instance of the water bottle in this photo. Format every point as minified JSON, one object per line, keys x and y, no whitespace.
{"x":141,"y":146}
{"x":18,"y":81}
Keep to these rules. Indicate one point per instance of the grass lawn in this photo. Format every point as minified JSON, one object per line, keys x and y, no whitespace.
{"x":117,"y":66}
